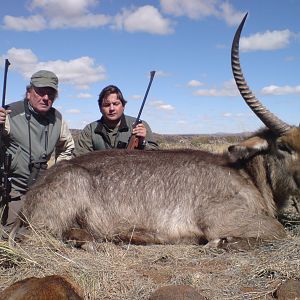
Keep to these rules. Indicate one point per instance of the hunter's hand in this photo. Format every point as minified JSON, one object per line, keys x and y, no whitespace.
{"x":140,"y":130}
{"x":3,"y":114}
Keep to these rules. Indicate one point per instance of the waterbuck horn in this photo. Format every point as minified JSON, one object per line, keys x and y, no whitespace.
{"x":270,"y":120}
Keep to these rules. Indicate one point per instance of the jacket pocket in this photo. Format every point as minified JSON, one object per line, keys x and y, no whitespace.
{"x":15,"y":159}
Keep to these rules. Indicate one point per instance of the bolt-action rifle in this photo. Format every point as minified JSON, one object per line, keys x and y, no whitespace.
{"x":133,"y":142}
{"x":5,"y":161}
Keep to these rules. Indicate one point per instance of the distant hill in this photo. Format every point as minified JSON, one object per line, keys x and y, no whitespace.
{"x":159,"y":136}
{"x":212,"y":142}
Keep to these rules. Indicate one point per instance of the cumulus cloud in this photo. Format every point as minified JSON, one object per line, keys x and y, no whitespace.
{"x":53,"y":14}
{"x":194,"y":83}
{"x":280,"y":90}
{"x":269,"y":40}
{"x":228,"y":89}
{"x":145,"y":18}
{"x":161,"y":73}
{"x":237,"y":115}
{"x":230,"y":15}
{"x":200,"y":9}
{"x":84,"y":96}
{"x":194,"y":9}
{"x":136,"y":97}
{"x":160,"y":105}
{"x":73,"y":111}
{"x":32,"y":23}
{"x":79,"y":72}
{"x":291,"y":58}
{"x":62,"y":8}
{"x":86,"y":21}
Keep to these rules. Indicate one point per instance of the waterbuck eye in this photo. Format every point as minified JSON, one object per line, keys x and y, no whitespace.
{"x":284,"y":147}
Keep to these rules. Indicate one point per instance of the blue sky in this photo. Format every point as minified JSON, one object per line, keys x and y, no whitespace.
{"x":90,"y":44}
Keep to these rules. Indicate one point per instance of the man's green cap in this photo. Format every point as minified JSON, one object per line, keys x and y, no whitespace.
{"x":44,"y":78}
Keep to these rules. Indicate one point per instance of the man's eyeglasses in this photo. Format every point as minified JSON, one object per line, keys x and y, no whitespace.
{"x":42,"y":91}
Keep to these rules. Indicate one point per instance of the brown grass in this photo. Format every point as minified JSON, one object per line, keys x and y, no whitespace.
{"x":216,"y":143}
{"x":133,"y":272}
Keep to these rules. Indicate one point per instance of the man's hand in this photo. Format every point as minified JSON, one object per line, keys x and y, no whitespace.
{"x":3,"y":114}
{"x":140,"y":131}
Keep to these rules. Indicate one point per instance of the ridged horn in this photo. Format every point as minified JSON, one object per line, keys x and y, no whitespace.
{"x":270,"y":120}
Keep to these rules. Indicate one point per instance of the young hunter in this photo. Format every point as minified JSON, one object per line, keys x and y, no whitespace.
{"x":114,"y":128}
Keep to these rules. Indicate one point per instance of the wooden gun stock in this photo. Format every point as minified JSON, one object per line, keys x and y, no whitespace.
{"x":133,"y":142}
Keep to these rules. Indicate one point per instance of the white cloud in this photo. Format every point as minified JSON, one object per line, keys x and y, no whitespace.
{"x":228,"y":89}
{"x":136,"y":97}
{"x":291,"y":58}
{"x":269,"y":40}
{"x":73,"y":111}
{"x":86,"y":21}
{"x":229,"y":14}
{"x":194,"y":9}
{"x":84,"y":96}
{"x":55,"y":14}
{"x":62,"y":8}
{"x":200,"y":9}
{"x":143,"y":19}
{"x":23,"y":60}
{"x":221,"y":46}
{"x":160,"y":105}
{"x":194,"y":83}
{"x":32,"y":23}
{"x":280,"y":90}
{"x":161,"y":73}
{"x":237,"y":116}
{"x":80,"y":72}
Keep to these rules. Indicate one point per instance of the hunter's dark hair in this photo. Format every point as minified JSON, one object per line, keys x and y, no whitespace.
{"x":111,"y":89}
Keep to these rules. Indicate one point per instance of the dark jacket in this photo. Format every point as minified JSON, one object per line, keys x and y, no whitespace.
{"x":95,"y":136}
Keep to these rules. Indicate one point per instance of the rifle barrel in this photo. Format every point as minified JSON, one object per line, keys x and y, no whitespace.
{"x":7,"y":63}
{"x":152,"y":73}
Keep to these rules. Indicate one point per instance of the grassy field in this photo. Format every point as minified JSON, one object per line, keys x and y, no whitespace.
{"x":215,"y":144}
{"x":133,"y":272}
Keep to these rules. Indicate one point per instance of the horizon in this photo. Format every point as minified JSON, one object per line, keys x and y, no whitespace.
{"x":90,"y":44}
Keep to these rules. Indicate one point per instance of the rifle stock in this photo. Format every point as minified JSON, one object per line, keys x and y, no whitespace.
{"x":133,"y":142}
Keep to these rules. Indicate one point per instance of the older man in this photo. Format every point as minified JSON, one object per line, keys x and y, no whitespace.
{"x":33,"y":130}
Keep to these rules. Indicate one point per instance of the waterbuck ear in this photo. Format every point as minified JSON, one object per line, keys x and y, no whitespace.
{"x":291,"y":139}
{"x":247,"y":148}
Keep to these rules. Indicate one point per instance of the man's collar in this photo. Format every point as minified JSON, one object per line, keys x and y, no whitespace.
{"x":122,"y":127}
{"x":49,"y":115}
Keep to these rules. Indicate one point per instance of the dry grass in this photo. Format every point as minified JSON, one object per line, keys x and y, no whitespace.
{"x":215,"y":144}
{"x":133,"y":272}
